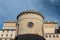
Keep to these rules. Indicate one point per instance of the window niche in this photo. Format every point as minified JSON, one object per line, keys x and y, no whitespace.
{"x":30,"y":24}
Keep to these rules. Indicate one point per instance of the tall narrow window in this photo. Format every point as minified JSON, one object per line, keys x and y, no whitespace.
{"x":53,"y":36}
{"x":11,"y":35}
{"x":57,"y":36}
{"x":1,"y":34}
{"x":18,"y":25}
{"x":46,"y":35}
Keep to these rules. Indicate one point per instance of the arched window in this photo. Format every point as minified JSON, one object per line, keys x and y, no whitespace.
{"x":46,"y":35}
{"x":11,"y":35}
{"x":1,"y":34}
{"x":53,"y":36}
{"x":57,"y":36}
{"x":5,"y":39}
{"x":50,"y":36}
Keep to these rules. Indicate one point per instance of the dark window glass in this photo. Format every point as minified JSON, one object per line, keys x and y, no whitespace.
{"x":57,"y":36}
{"x":18,"y":25}
{"x":3,"y":30}
{"x":30,"y":24}
{"x":1,"y":34}
{"x":5,"y":39}
{"x":46,"y":35}
{"x":11,"y":35}
{"x":53,"y":36}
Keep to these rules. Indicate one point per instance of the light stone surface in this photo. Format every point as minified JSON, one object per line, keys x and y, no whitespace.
{"x":13,"y":28}
{"x":23,"y":24}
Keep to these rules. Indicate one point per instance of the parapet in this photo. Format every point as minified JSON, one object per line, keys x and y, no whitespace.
{"x":29,"y":11}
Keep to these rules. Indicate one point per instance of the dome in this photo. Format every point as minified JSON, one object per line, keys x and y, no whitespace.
{"x":30,"y":11}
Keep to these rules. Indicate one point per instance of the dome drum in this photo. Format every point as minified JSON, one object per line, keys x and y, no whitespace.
{"x":29,"y":12}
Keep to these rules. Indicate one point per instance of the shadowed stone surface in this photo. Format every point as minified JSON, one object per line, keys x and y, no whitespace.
{"x":29,"y":37}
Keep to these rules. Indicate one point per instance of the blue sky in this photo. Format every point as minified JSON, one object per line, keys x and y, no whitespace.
{"x":9,"y":9}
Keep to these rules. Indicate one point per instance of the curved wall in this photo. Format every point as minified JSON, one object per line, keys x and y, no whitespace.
{"x":35,"y":25}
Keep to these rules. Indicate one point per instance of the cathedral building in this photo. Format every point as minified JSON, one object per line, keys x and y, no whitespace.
{"x":30,"y":25}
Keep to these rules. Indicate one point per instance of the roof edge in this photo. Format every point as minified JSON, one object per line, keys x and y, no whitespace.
{"x":29,"y":11}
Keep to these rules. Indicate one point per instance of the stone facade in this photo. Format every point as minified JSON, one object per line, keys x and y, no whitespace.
{"x":7,"y":34}
{"x":29,"y":22}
